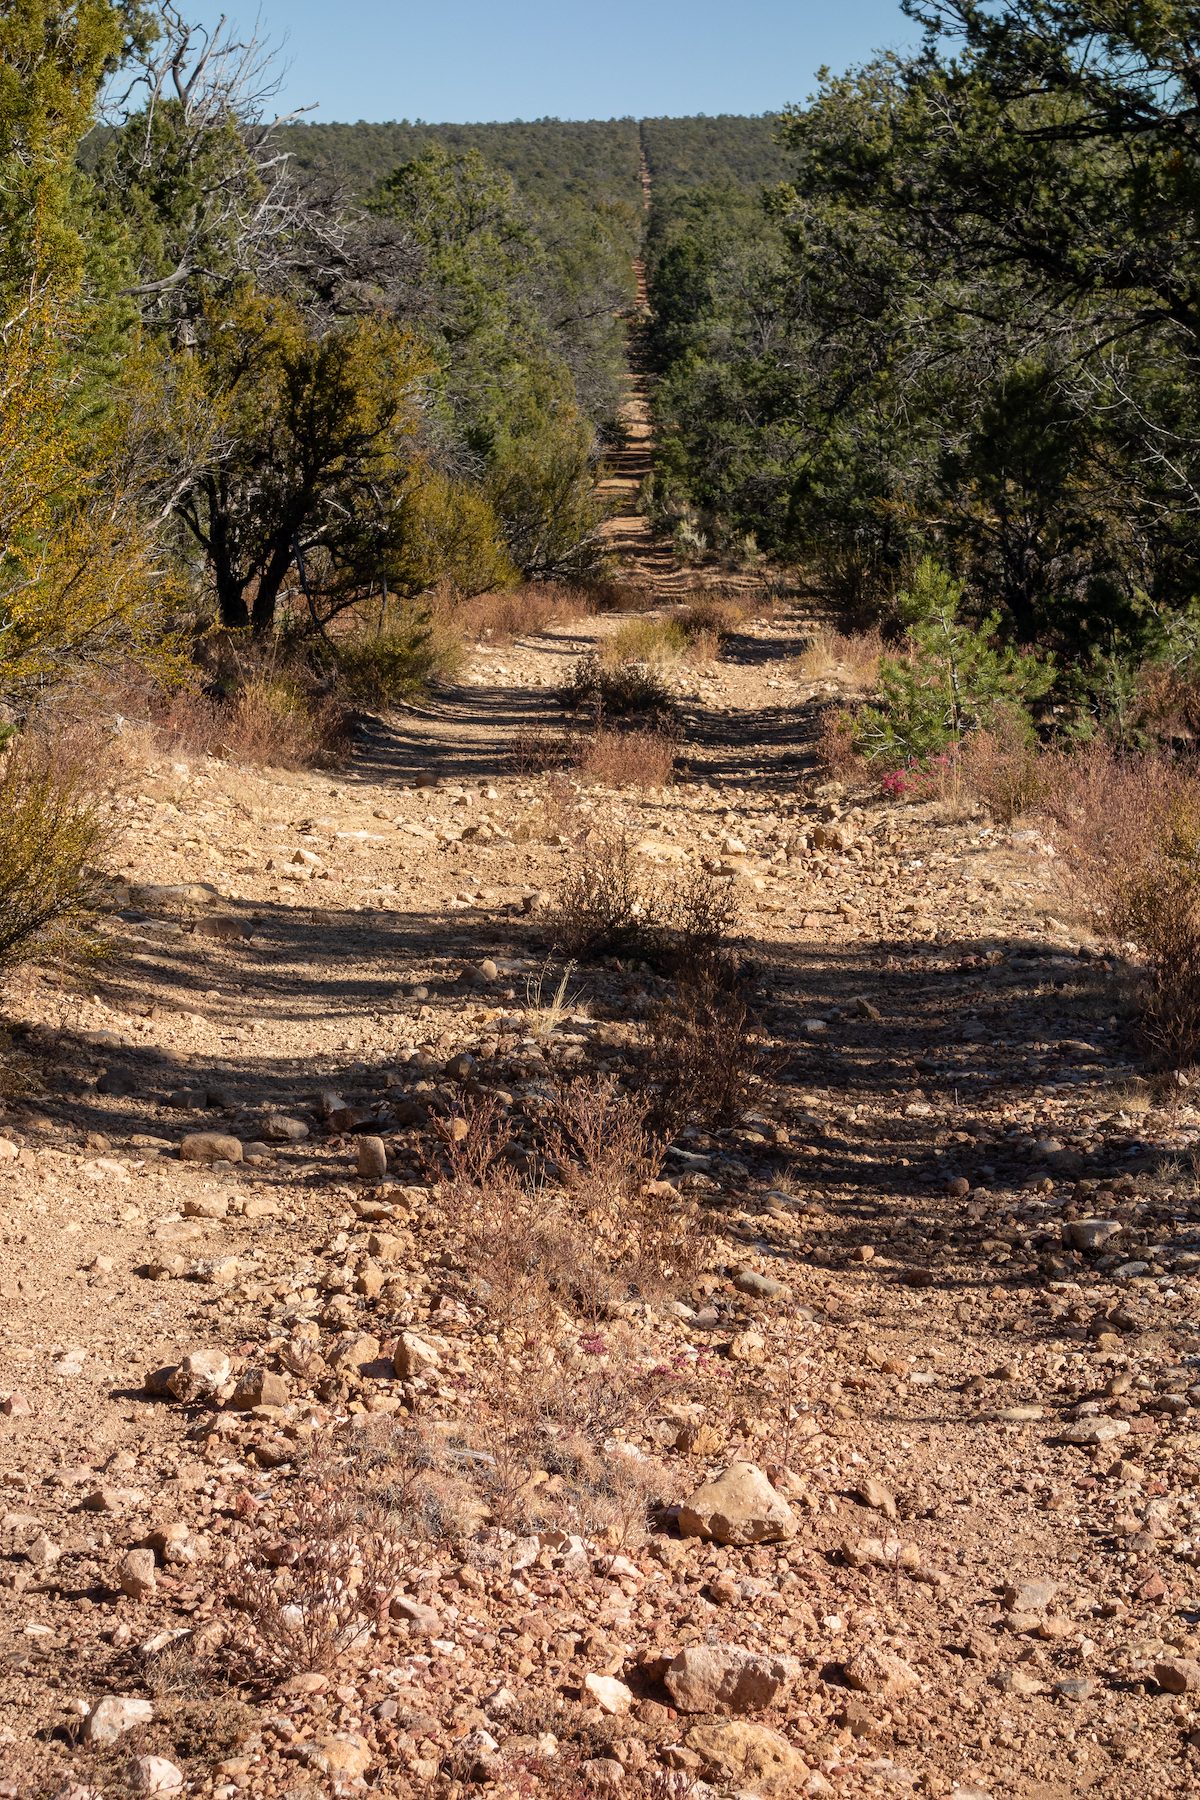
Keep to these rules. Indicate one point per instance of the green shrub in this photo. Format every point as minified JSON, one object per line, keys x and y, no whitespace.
{"x":51,"y":835}
{"x":413,"y":651}
{"x":950,"y":678}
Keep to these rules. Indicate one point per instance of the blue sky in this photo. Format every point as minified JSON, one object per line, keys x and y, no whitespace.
{"x":472,"y":60}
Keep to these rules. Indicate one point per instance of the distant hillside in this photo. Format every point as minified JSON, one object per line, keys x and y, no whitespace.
{"x":553,"y":159}
{"x":726,"y":149}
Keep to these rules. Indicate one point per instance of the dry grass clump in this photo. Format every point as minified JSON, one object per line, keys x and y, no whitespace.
{"x":52,"y":835}
{"x":850,"y":659}
{"x":522,"y":611}
{"x":1131,"y":829}
{"x":657,"y":643}
{"x":619,"y":759}
{"x":714,"y":615}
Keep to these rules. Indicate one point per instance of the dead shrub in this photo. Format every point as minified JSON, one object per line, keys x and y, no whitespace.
{"x":52,"y":834}
{"x":1005,"y":768}
{"x":835,"y":748}
{"x":650,"y":642}
{"x":619,"y":692}
{"x":1132,"y":831}
{"x":523,"y":611}
{"x":619,"y":759}
{"x":319,"y":1588}
{"x":603,"y":906}
{"x":704,"y":1050}
{"x":609,"y":905}
{"x":536,"y":749}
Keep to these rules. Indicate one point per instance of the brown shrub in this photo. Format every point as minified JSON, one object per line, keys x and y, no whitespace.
{"x":704,"y":1049}
{"x":1005,"y":768}
{"x":523,"y":611}
{"x":1131,"y":829}
{"x":835,"y":745}
{"x":627,"y":758}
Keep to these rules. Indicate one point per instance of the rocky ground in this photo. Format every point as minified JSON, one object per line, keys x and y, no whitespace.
{"x":887,"y":1486}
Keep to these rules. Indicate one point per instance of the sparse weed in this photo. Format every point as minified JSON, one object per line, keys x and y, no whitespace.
{"x":618,"y":759}
{"x":321,"y":1588}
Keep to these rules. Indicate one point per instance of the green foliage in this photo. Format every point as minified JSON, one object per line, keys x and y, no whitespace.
{"x":411,"y":650}
{"x":53,"y":55}
{"x":951,"y":679}
{"x":51,"y":835}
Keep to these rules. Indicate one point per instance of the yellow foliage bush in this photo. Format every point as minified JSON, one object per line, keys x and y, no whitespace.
{"x":51,"y":836}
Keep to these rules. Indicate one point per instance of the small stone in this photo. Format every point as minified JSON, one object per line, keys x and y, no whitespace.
{"x":1178,"y":1675}
{"x":739,"y":1506}
{"x":1086,"y":1432}
{"x":206,"y":1206}
{"x":763,"y":1287}
{"x":347,"y":1755}
{"x":1090,"y":1234}
{"x":199,"y":1375}
{"x":155,"y":1775}
{"x":747,"y":1756}
{"x":873,"y":1671}
{"x":210,"y":1147}
{"x":111,"y":1717}
{"x":371,"y":1160}
{"x":609,"y":1694}
{"x":708,"y":1678}
{"x":278,"y":1128}
{"x":414,"y":1356}
{"x":879,"y":1498}
{"x":259,"y":1387}
{"x":1032,"y":1596}
{"x":354,"y":1351}
{"x":603,"y":1774}
{"x":137,"y":1576}
{"x":425,"y":1620}
{"x":1073,"y":1687}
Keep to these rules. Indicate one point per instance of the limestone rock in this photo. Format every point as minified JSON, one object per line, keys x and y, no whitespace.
{"x":873,"y":1671}
{"x":210,"y":1147}
{"x":137,"y":1575}
{"x":742,"y":1755}
{"x":345,"y":1755}
{"x":414,"y":1356}
{"x":113,"y":1716}
{"x":155,"y":1775}
{"x":609,"y":1694}
{"x":199,"y":1375}
{"x":738,"y":1507}
{"x":708,"y":1678}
